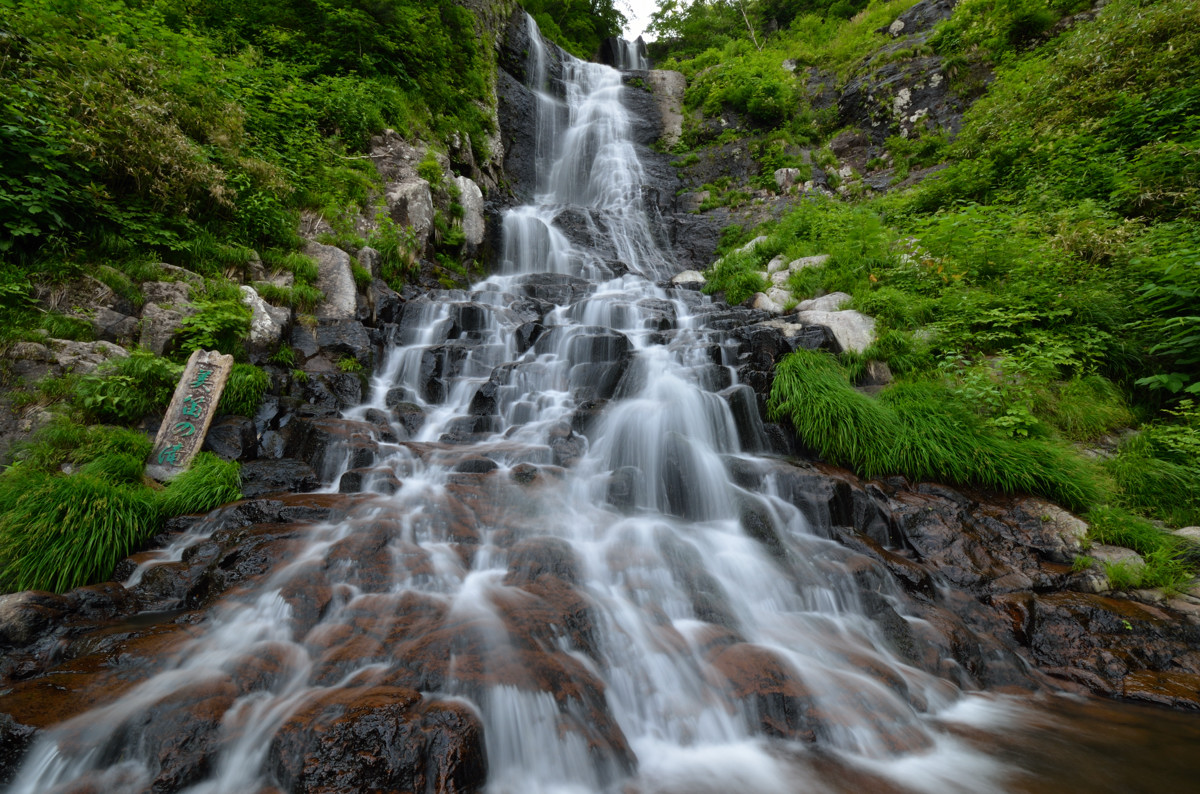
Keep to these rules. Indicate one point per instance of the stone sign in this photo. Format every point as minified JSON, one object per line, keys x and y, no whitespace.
{"x":189,"y":415}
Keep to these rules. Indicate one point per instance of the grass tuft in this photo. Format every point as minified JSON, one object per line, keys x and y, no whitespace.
{"x":244,"y":391}
{"x":919,"y":431}
{"x":59,"y":531}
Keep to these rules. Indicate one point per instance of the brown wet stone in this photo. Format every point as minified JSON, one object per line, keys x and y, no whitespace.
{"x":308,"y":593}
{"x":545,"y":611}
{"x":92,"y":679}
{"x":536,"y":557}
{"x":362,"y":559}
{"x":356,"y":651}
{"x":182,"y":732}
{"x":1173,"y":689}
{"x":781,"y":703}
{"x":379,"y":739}
{"x":263,"y":666}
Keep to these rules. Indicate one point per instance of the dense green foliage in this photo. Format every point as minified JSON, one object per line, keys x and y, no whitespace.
{"x":126,"y":389}
{"x":60,"y":530}
{"x":192,"y":133}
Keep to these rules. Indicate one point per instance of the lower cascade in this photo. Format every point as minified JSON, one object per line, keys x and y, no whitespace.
{"x":569,"y":566}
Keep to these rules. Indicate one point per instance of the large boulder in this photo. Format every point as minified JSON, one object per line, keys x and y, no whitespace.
{"x":167,"y":306}
{"x":381,"y":738}
{"x":901,"y":98}
{"x":471,"y":199}
{"x":854,"y":331}
{"x":335,"y":280}
{"x":113,"y":326}
{"x":410,"y":205}
{"x":267,"y":322}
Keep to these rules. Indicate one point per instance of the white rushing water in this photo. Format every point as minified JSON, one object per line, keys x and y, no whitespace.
{"x":679,"y":596}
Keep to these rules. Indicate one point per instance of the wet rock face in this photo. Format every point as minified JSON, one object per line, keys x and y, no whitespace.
{"x":380,"y":738}
{"x":981,"y":576}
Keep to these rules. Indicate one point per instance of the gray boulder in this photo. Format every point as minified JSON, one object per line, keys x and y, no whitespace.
{"x":267,"y":322}
{"x":854,"y":331}
{"x":160,"y":326}
{"x":826,"y":303}
{"x":335,"y":281}
{"x":473,"y":224}
{"x":902,"y":98}
{"x":410,"y":203}
{"x":112,"y":326}
{"x":166,"y":293}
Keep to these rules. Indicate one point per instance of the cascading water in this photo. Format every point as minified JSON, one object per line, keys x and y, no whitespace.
{"x":601,"y":601}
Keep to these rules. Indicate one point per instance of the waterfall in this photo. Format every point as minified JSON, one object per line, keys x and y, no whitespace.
{"x":568,"y":556}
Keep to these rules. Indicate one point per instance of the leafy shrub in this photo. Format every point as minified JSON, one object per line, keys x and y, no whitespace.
{"x":126,"y":389}
{"x":397,"y":246}
{"x":61,"y":326}
{"x":737,"y":276}
{"x":217,"y":325}
{"x":430,"y":169}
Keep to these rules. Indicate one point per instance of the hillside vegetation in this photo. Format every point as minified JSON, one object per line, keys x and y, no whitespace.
{"x":1038,"y":298}
{"x":140,"y":132}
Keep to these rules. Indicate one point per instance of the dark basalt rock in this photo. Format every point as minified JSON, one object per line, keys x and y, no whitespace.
{"x":377,"y":480}
{"x":566,"y":446}
{"x":232,"y":438}
{"x":15,"y":740}
{"x":475,"y":464}
{"x":409,"y":415}
{"x":262,"y":477}
{"x":386,"y":305}
{"x":919,"y":18}
{"x":901,"y":97}
{"x":555,"y":289}
{"x":323,"y":443}
{"x":24,"y":616}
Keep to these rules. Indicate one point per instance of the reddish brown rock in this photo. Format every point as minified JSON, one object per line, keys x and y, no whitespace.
{"x":781,"y":703}
{"x":382,"y":738}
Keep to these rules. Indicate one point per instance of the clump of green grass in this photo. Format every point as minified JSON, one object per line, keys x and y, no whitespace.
{"x":1169,"y":559}
{"x":208,"y":484}
{"x":1164,"y":489}
{"x":62,"y":530}
{"x":920,"y":431}
{"x":244,"y":390}
{"x":1088,"y":407}
{"x":58,"y":532}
